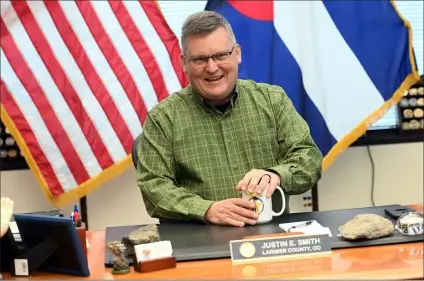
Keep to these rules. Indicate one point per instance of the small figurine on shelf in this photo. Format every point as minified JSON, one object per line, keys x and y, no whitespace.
{"x":120,"y":263}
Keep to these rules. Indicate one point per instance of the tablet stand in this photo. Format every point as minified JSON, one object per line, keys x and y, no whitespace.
{"x":33,"y":258}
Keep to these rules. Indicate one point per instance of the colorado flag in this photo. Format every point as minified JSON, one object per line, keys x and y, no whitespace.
{"x":343,"y":64}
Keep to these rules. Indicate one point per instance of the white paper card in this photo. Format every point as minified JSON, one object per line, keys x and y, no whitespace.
{"x":21,"y":267}
{"x":13,"y":226}
{"x":154,"y":250}
{"x":15,"y":231}
{"x":324,"y":230}
{"x":307,"y":227}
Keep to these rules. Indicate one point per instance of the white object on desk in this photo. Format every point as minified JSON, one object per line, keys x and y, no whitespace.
{"x":7,"y":206}
{"x":15,"y":231}
{"x":13,"y":226}
{"x":154,"y":250}
{"x":311,"y":227}
{"x":21,"y":267}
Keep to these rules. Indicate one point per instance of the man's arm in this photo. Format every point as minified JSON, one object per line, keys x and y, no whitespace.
{"x":157,"y":180}
{"x":300,"y":160}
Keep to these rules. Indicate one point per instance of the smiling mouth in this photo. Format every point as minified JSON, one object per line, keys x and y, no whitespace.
{"x":214,"y":79}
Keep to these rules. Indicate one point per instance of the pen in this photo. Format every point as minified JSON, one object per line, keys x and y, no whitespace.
{"x":300,"y":225}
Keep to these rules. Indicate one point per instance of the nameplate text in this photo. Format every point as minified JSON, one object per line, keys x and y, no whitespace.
{"x":279,"y":247}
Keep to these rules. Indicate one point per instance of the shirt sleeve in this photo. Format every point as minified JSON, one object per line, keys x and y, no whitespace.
{"x":163,"y":198}
{"x":299,"y":160}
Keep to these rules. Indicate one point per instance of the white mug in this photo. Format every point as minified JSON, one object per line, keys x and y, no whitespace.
{"x":264,"y":204}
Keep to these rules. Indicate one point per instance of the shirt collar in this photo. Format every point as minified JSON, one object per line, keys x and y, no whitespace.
{"x":234,"y":95}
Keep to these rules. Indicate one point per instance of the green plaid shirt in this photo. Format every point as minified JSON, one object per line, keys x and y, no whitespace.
{"x":191,"y":155}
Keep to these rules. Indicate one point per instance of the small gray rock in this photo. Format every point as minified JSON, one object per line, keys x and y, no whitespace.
{"x":145,"y":234}
{"x":368,"y":226}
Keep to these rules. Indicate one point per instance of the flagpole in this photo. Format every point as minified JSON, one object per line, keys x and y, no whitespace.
{"x":83,"y":211}
{"x":315,"y":206}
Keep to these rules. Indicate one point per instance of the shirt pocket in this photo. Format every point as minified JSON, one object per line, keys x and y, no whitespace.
{"x":259,"y":146}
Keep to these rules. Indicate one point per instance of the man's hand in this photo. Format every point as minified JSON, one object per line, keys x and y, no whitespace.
{"x":257,"y":180}
{"x":234,"y":211}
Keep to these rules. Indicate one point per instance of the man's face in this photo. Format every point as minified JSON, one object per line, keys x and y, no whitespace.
{"x":213,"y":79}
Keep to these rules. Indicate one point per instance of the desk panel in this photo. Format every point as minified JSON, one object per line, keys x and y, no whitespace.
{"x":199,"y":241}
{"x":391,"y":262}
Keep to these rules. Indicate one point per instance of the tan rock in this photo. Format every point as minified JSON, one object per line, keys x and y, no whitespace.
{"x":145,"y":234}
{"x":366,"y":226}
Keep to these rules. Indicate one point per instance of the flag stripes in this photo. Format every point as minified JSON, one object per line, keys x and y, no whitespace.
{"x":85,"y":97}
{"x":32,"y":26}
{"x":31,"y":139}
{"x":117,"y":66}
{"x":127,"y":53}
{"x":323,"y":53}
{"x":138,"y":42}
{"x":77,"y":81}
{"x":41,"y":94}
{"x":98,"y":72}
{"x":166,"y":36}
{"x":154,"y":44}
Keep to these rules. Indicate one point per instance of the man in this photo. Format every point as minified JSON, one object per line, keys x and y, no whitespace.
{"x":220,"y":135}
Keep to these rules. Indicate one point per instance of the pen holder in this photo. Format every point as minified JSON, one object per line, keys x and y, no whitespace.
{"x":82,"y":236}
{"x":154,"y":265}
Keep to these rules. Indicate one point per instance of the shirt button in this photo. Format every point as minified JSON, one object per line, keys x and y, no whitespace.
{"x":235,"y":166}
{"x":229,"y":141}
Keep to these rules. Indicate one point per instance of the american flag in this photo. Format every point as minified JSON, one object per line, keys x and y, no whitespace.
{"x":77,"y":80}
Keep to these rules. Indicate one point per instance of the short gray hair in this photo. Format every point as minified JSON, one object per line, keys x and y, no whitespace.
{"x":204,"y":22}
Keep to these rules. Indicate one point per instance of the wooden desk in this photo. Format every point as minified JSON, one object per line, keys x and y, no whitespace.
{"x":402,"y":261}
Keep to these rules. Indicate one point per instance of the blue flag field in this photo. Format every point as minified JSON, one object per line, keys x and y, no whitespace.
{"x":343,"y":64}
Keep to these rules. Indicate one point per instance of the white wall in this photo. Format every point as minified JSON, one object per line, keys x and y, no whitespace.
{"x":399,"y":174}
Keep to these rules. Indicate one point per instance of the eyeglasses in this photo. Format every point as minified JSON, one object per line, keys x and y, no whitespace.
{"x":218,"y":58}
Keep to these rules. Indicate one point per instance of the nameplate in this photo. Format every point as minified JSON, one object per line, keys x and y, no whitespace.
{"x":279,"y":247}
